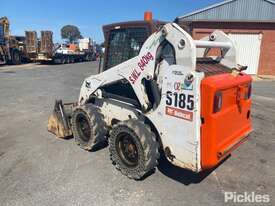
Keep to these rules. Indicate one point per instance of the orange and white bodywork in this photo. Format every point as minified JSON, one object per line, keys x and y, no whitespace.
{"x":204,"y":108}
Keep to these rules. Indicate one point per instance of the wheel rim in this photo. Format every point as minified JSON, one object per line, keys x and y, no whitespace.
{"x":127,"y":149}
{"x":83,"y":127}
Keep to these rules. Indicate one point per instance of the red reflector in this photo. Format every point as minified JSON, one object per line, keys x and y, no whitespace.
{"x":217,"y":102}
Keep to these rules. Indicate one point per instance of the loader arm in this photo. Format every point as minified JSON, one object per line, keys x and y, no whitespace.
{"x":143,"y":66}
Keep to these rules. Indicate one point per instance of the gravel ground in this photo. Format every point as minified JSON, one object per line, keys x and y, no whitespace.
{"x":38,"y":169}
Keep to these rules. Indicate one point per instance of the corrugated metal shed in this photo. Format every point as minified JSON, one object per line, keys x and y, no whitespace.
{"x":235,"y":10}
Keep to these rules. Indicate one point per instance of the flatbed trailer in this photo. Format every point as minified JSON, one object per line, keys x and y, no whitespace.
{"x":61,"y":54}
{"x":65,"y":58}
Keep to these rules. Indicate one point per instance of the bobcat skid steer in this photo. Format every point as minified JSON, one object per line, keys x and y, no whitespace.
{"x":171,"y":97}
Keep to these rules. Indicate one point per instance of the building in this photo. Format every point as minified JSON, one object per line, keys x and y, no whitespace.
{"x":251,"y":23}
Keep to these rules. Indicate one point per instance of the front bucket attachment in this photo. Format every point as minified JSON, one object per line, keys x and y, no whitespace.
{"x":59,"y":121}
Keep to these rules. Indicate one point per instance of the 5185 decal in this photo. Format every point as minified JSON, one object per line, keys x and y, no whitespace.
{"x":180,"y":100}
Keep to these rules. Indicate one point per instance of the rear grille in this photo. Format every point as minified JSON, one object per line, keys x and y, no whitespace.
{"x":211,"y":67}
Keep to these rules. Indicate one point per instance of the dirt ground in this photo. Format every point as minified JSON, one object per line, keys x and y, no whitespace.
{"x":38,"y":169}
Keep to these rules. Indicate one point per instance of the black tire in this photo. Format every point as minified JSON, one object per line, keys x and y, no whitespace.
{"x":87,"y":58}
{"x":141,"y":142}
{"x":57,"y":61}
{"x":63,"y":60}
{"x":68,"y":60}
{"x":88,"y":126}
{"x":16,"y":57}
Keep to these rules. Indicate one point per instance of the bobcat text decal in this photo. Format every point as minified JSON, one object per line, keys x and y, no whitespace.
{"x":141,"y":66}
{"x":179,"y":113}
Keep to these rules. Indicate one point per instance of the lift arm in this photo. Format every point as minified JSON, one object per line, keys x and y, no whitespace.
{"x":143,"y":66}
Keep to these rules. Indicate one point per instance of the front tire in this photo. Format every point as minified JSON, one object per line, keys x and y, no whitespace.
{"x":133,"y":148}
{"x":88,"y":126}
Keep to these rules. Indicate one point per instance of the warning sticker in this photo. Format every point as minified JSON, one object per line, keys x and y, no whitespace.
{"x":179,"y":113}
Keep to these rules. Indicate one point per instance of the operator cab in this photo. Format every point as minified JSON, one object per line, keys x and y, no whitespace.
{"x":123,"y":41}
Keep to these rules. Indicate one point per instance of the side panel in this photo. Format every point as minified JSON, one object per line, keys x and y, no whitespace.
{"x":177,"y":118}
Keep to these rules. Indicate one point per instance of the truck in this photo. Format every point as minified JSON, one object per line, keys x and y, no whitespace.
{"x":62,"y":53}
{"x":160,"y":92}
{"x":9,"y":46}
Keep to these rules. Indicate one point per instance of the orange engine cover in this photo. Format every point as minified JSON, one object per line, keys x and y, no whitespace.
{"x":222,"y":131}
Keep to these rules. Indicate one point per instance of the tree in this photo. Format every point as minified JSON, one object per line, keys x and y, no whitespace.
{"x":71,"y":33}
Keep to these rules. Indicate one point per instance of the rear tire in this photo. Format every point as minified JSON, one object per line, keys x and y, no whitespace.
{"x":133,"y":149}
{"x":67,"y":60}
{"x":63,"y":60}
{"x":16,"y":57}
{"x":57,"y":61}
{"x":88,"y":126}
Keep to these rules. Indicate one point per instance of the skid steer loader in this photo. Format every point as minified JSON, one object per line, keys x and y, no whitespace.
{"x":171,"y":97}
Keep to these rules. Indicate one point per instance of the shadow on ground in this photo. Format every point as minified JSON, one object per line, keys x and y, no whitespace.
{"x":181,"y":175}
{"x":178,"y":174}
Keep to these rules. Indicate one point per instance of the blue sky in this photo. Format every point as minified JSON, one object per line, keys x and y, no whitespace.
{"x":89,"y":15}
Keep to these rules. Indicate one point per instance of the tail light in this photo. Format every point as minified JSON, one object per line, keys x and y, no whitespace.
{"x":217,"y":106}
{"x":249,"y":91}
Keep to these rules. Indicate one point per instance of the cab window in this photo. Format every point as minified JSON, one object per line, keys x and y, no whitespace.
{"x":166,"y":52}
{"x":124,"y":44}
